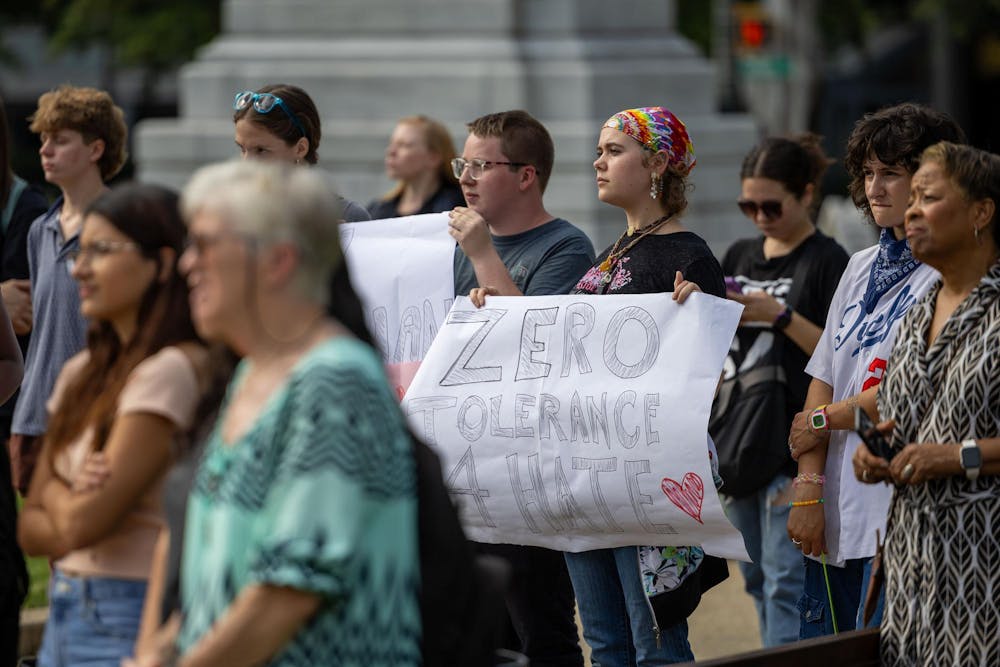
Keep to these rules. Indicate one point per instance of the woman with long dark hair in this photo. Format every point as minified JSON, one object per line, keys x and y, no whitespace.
{"x":121,"y":404}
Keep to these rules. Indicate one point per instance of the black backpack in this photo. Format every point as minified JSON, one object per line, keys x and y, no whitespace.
{"x":461,"y":597}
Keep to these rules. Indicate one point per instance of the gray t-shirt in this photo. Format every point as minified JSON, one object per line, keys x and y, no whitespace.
{"x":548,"y":259}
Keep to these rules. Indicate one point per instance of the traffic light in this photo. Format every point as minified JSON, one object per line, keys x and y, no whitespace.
{"x":753,"y":34}
{"x":752,"y":28}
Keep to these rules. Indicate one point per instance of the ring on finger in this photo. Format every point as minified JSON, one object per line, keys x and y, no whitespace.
{"x":866,"y":475}
{"x":907,"y":471}
{"x":796,"y":542}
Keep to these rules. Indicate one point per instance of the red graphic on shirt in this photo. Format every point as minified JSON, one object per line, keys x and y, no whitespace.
{"x":877,"y":369}
{"x":687,"y":495}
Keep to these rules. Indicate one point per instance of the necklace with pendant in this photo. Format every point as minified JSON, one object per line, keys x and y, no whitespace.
{"x":611,"y":260}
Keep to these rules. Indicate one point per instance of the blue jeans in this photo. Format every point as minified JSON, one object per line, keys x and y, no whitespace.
{"x":845,"y":590}
{"x":617,"y":618}
{"x":775,"y":578}
{"x":93,"y":622}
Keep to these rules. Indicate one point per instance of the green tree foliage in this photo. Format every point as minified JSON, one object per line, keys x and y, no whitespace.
{"x":694,"y":21}
{"x":157,"y":34}
{"x":154,"y":34}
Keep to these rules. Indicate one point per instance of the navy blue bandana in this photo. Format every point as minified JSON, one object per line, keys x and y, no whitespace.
{"x":892,"y":264}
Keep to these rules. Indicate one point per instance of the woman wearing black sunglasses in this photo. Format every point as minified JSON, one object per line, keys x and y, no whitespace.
{"x":785,"y":278}
{"x":281,"y":122}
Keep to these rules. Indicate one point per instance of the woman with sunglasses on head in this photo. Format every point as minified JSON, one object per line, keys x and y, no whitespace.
{"x":118,"y":413}
{"x":879,"y":286}
{"x":280,"y":122}
{"x":785,"y":279}
{"x":419,"y":158}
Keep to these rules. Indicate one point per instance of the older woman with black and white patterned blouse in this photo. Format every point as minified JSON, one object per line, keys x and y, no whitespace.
{"x":942,"y":391}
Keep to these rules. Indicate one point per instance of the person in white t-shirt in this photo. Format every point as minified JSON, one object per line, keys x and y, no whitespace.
{"x":834,"y":517}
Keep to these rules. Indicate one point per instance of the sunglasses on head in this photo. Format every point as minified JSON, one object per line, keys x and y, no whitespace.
{"x":771,"y":208}
{"x":265,"y":103}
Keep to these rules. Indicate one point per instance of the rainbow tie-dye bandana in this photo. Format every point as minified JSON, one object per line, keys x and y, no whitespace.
{"x":657,"y":129}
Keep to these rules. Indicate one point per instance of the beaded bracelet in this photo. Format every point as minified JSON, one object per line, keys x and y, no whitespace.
{"x":805,"y":503}
{"x":809,"y":478}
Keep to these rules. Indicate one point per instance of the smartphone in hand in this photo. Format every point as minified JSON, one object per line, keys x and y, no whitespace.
{"x":871,"y":436}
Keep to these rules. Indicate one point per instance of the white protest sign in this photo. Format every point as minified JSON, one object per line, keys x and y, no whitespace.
{"x":579,"y":422}
{"x":403,"y":270}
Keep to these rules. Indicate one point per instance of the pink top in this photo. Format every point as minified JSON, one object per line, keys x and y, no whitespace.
{"x":165,"y":384}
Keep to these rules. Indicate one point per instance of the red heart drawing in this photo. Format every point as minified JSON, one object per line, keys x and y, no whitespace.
{"x":687,"y":495}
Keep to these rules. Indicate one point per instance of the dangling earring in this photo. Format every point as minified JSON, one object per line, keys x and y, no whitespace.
{"x":975,"y":232}
{"x":655,"y":187}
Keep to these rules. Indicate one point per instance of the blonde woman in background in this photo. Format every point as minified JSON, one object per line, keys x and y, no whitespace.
{"x":419,"y":158}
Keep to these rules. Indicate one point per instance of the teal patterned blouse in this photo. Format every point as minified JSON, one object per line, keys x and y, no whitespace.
{"x":319,"y":495}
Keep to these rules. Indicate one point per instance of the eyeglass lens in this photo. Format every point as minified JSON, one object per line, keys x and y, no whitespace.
{"x":265,"y":102}
{"x":458,"y":166}
{"x":98,"y":249}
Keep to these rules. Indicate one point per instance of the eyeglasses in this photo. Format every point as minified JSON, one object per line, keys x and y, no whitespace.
{"x":199,"y":244}
{"x":771,"y":208}
{"x":264,"y":103}
{"x":98,"y":249}
{"x":477,"y":166}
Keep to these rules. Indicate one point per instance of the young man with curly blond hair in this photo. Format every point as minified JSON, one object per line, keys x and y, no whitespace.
{"x":83,"y":135}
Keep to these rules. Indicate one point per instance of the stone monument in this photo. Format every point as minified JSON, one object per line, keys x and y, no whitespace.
{"x":570,"y":63}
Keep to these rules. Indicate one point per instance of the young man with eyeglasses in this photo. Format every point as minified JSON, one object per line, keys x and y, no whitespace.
{"x":507,"y":240}
{"x":509,"y":243}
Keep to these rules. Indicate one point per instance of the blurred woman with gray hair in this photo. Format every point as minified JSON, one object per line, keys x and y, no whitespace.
{"x":301,"y":544}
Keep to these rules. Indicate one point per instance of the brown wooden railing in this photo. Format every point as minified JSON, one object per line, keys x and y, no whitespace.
{"x":858,"y":648}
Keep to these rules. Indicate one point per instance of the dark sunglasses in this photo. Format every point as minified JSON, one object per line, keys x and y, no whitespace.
{"x":770,"y":208}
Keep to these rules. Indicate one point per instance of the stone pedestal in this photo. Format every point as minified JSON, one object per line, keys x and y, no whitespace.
{"x":570,"y":63}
